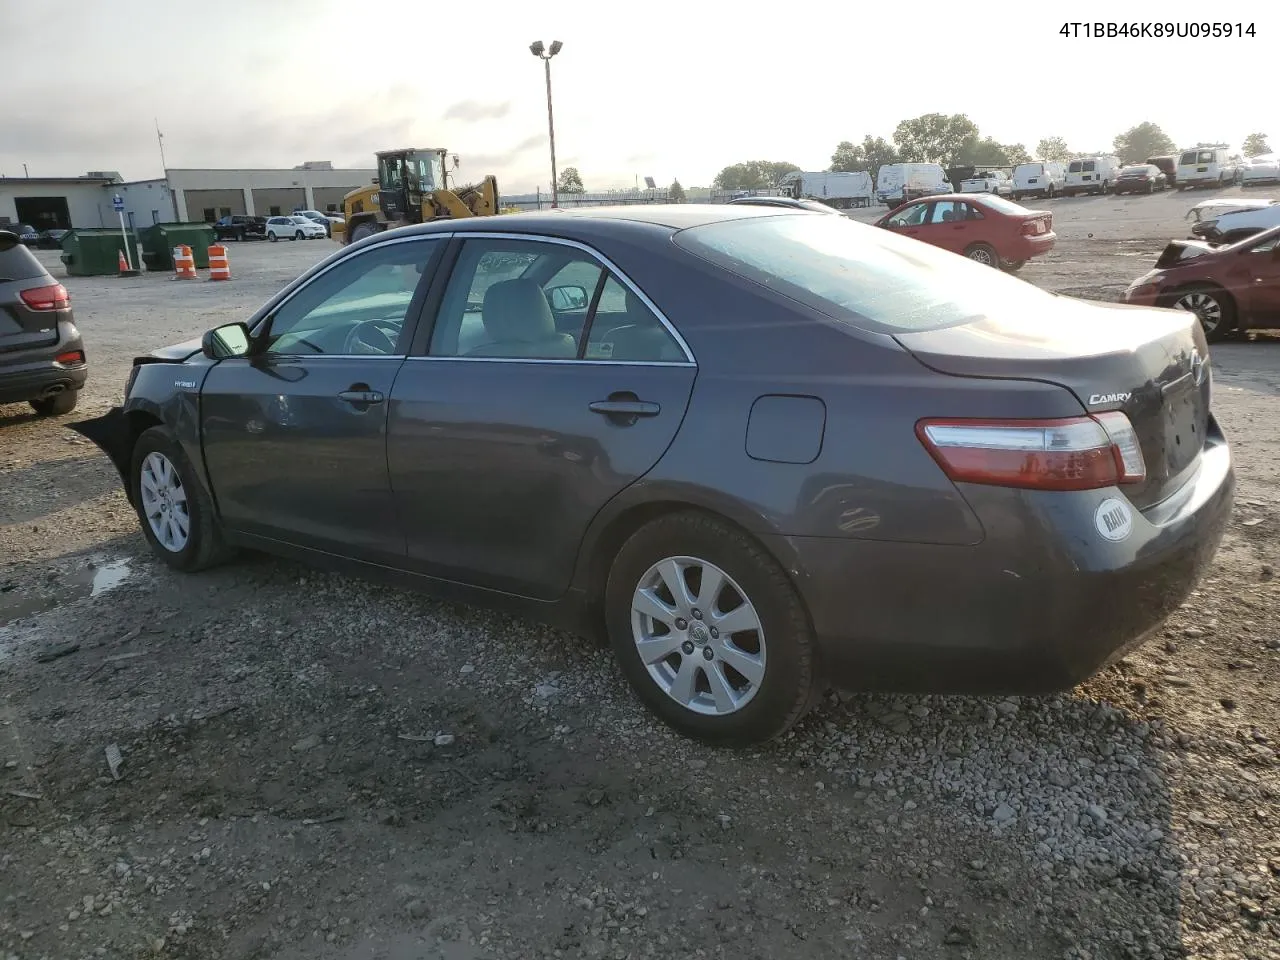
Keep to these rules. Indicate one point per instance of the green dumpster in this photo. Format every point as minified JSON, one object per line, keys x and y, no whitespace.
{"x":159,"y":240}
{"x":95,"y":251}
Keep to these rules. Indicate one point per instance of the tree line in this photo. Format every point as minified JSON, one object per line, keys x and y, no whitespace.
{"x":954,"y":141}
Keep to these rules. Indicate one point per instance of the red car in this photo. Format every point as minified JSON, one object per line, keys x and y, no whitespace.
{"x":1234,"y":287}
{"x":982,"y":227}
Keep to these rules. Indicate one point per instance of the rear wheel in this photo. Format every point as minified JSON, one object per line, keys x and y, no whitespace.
{"x":983,"y":253}
{"x":1013,"y":266}
{"x":1214,"y":307}
{"x":176,"y":513}
{"x":57,"y":405}
{"x":709,"y":631}
{"x":297,"y":235}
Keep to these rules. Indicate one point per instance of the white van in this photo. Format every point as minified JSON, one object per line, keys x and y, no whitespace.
{"x":1091,"y":175}
{"x":898,"y":183}
{"x":1039,"y":178}
{"x":1203,"y":166}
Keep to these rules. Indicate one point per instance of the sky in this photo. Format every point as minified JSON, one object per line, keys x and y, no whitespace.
{"x":662,"y":89}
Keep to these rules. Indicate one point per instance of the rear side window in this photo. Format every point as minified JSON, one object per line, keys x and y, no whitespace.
{"x":859,"y":275}
{"x":17,"y":262}
{"x":1073,"y":166}
{"x":1188,"y":157}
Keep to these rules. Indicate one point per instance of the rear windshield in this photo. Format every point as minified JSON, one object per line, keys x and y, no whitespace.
{"x":860,"y":275}
{"x":1000,"y":204}
{"x":1134,"y":171}
{"x":17,"y":262}
{"x":1200,"y":156}
{"x":1035,"y":169}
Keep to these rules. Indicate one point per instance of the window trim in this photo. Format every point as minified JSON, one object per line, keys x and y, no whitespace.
{"x":419,"y":298}
{"x":422,"y":352}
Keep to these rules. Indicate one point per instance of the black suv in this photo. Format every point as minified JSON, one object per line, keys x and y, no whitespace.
{"x":238,"y":227}
{"x":42,"y":358}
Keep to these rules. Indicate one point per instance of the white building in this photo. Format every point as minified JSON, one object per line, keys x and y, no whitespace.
{"x":209,"y":194}
{"x":183,"y":195}
{"x":49,"y":203}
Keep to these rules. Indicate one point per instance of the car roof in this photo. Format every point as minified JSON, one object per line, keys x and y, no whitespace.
{"x":673,"y":216}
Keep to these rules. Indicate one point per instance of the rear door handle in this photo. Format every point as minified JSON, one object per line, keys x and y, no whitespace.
{"x":625,"y":408}
{"x":360,"y":396}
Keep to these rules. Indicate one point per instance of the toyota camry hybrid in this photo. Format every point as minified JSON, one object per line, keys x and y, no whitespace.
{"x":762,"y":451}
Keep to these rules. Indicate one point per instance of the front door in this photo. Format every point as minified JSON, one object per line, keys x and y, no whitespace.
{"x":527,"y":413}
{"x":1262,"y":300}
{"x":295,"y":435}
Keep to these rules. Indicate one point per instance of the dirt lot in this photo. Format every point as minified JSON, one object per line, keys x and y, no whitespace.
{"x":313,"y":767}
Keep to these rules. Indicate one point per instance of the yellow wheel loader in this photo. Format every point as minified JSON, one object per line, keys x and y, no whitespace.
{"x":412,"y":186}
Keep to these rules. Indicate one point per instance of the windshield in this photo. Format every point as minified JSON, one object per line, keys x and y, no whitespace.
{"x":860,"y":275}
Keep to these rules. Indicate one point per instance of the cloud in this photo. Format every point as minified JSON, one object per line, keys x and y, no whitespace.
{"x":472,"y":110}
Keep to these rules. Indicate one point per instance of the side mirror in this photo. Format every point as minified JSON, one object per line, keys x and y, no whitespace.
{"x":221,"y":343}
{"x":571,"y":297}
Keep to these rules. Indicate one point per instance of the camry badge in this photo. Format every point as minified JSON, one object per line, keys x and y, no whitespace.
{"x":1097,"y":398}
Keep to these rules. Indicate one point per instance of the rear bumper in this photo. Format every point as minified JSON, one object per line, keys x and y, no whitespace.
{"x":1024,"y":248}
{"x":32,"y":374}
{"x":1041,"y":604}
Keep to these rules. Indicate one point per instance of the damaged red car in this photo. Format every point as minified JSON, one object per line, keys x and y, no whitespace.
{"x":1231,"y":288}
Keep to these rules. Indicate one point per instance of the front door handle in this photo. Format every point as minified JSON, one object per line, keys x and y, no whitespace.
{"x":625,"y":408}
{"x":361,"y":396}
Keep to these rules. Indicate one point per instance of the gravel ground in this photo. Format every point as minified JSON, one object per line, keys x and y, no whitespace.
{"x":315,"y":767}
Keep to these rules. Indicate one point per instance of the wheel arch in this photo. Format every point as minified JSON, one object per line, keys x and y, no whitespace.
{"x":615,"y":524}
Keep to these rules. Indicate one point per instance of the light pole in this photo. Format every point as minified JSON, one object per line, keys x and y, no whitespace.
{"x":545,"y":54}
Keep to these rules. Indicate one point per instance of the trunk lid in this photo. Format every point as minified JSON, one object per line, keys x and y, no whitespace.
{"x":1152,"y":364}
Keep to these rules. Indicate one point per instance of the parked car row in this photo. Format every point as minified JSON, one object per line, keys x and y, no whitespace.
{"x":241,"y":227}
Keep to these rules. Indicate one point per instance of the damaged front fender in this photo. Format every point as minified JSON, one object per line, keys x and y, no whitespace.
{"x":112,"y":434}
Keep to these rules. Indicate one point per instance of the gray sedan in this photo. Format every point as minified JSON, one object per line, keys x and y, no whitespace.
{"x":763,"y":451}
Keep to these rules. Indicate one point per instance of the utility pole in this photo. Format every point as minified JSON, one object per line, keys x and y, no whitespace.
{"x":545,"y":54}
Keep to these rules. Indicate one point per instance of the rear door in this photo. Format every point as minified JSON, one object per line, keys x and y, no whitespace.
{"x":514,"y":425}
{"x":295,"y":437}
{"x":21,"y":326}
{"x":946,"y":225}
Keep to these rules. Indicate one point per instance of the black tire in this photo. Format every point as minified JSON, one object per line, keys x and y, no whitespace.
{"x":982,"y":253}
{"x":297,"y":235}
{"x":58,"y":405}
{"x":789,"y":686}
{"x":273,"y":237}
{"x":364,"y":229}
{"x":1215,"y":297}
{"x":1151,"y":188}
{"x":240,"y":236}
{"x":204,"y":546}
{"x":1012,"y":266}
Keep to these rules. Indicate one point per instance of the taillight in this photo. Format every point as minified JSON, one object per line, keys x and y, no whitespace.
{"x":1033,"y":228}
{"x":53,"y":297}
{"x":70,"y":358}
{"x":1079,"y":453}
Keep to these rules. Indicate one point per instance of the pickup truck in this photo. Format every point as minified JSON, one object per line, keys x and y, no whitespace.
{"x":989,"y":181}
{"x":238,"y":227}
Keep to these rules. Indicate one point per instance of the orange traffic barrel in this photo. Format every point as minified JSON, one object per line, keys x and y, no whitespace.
{"x":219,"y":264}
{"x":184,"y":263}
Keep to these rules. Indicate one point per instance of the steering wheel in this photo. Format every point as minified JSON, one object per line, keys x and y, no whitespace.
{"x":376,"y":336}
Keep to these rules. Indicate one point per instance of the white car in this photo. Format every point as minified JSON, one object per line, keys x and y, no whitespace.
{"x":989,"y":181}
{"x":1235,"y":225}
{"x":295,"y":228}
{"x":1263,"y":169}
{"x":326,"y":220}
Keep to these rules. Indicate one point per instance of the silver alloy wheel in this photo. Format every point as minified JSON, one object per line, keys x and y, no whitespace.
{"x":1203,"y":305}
{"x":164,"y":502}
{"x":698,"y":635}
{"x":981,"y":255}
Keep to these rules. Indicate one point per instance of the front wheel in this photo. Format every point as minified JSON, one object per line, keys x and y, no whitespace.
{"x":273,"y":236}
{"x":709,"y":631}
{"x":983,"y":253}
{"x":176,"y":514}
{"x":1214,"y":307}
{"x":297,"y":235}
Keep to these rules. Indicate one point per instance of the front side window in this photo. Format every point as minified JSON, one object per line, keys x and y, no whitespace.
{"x":356,"y":307}
{"x":1268,"y":245}
{"x":912,"y":216}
